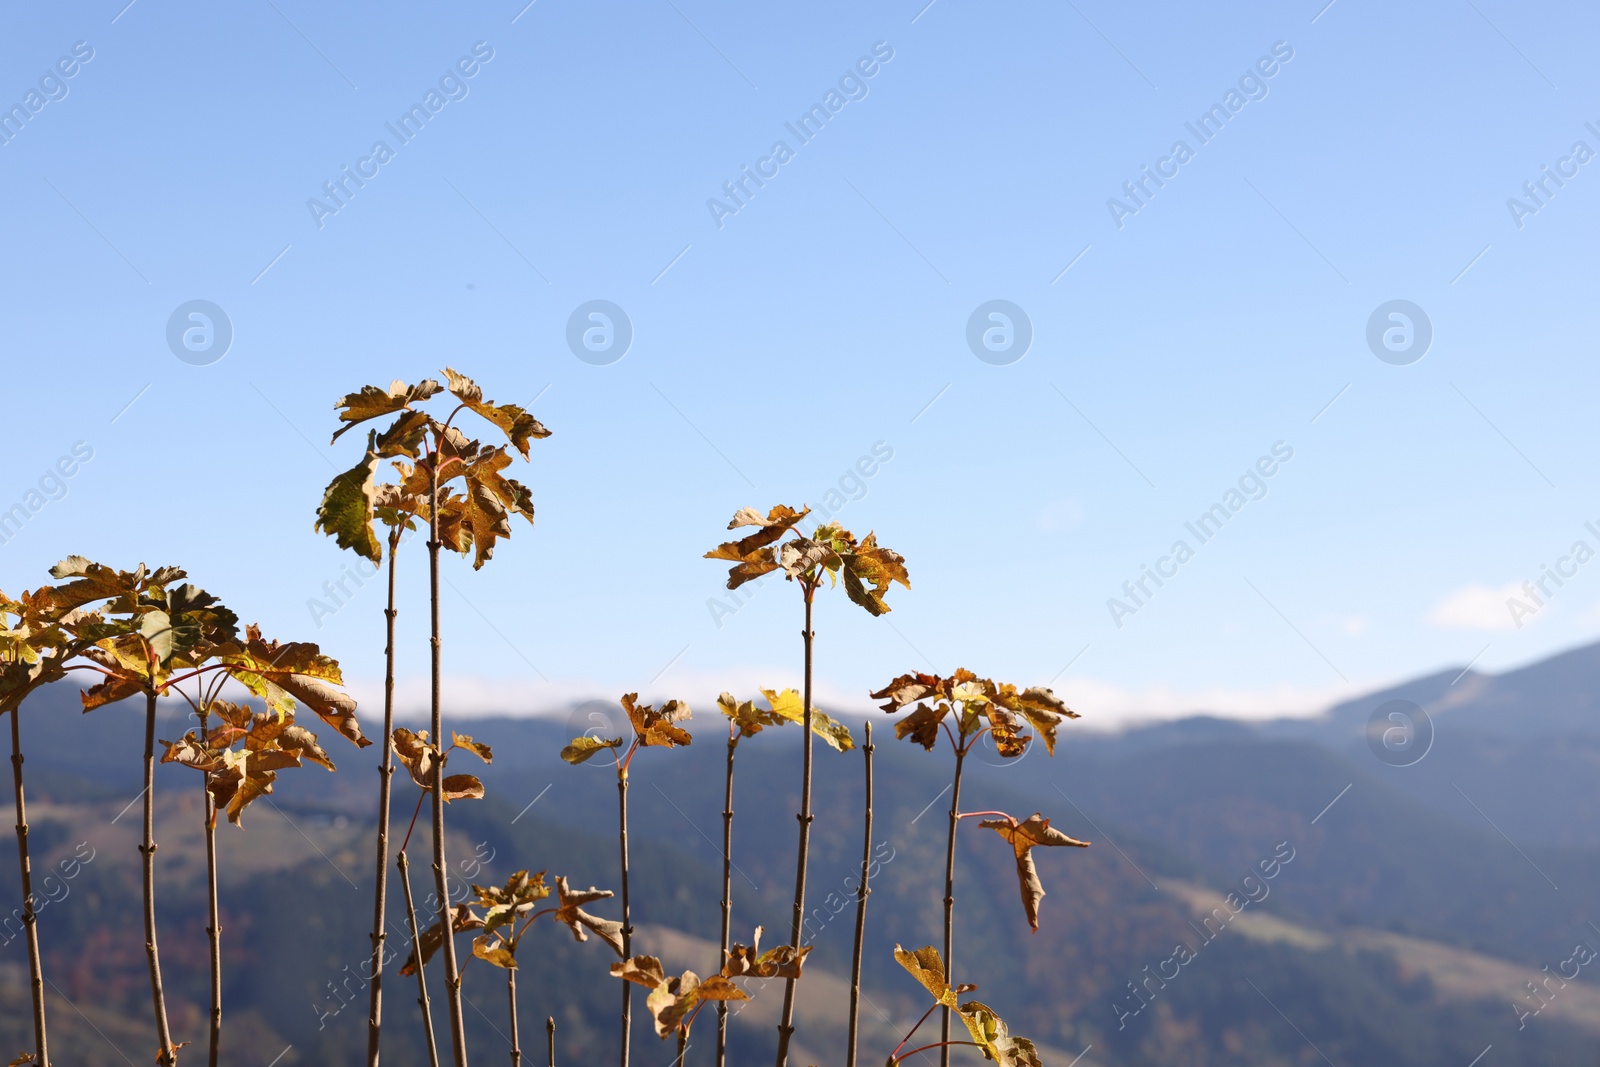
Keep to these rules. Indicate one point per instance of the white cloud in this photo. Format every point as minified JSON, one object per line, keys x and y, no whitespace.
{"x":1477,"y":607}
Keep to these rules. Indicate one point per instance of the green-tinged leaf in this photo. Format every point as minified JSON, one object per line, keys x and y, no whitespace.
{"x":789,"y":706}
{"x":746,"y":718}
{"x":518,"y":426}
{"x":373,"y":403}
{"x":1024,"y":838}
{"x":580,"y":749}
{"x":493,"y":950}
{"x":156,"y":629}
{"x":346,"y":511}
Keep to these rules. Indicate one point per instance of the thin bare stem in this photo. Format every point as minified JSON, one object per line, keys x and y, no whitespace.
{"x":627,"y":915}
{"x":550,"y":1039}
{"x":30,"y":920}
{"x":380,"y":901}
{"x":862,"y":892}
{"x":416,"y":946}
{"x":950,"y":902}
{"x":441,"y":873}
{"x":786,"y":1023}
{"x":511,"y":994}
{"x":167,"y":1056}
{"x":727,"y":891}
{"x":214,"y":929}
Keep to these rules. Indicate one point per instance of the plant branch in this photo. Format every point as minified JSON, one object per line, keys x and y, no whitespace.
{"x":30,"y":919}
{"x":380,"y":901}
{"x":862,"y":892}
{"x":416,"y":946}
{"x":786,"y":1023}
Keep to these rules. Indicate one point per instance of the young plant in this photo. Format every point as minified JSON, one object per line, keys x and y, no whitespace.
{"x":979,"y":706}
{"x":674,"y":1001}
{"x":989,"y":1032}
{"x":745,"y":720}
{"x":232,"y":778}
{"x":867,"y":571}
{"x":506,"y":906}
{"x":423,"y":760}
{"x":651,"y":729}
{"x":35,"y":650}
{"x":431,"y":456}
{"x":349,"y":506}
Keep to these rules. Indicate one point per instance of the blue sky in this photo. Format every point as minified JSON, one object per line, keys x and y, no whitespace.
{"x":774,"y":347}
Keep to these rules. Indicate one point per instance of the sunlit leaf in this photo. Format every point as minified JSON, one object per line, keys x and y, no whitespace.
{"x":580,"y":749}
{"x":657,"y":727}
{"x":518,"y":426}
{"x":346,"y":511}
{"x":462,"y":787}
{"x":493,"y":950}
{"x":1024,"y":838}
{"x":477,"y":748}
{"x":748,"y":961}
{"x":789,"y":706}
{"x":373,"y":403}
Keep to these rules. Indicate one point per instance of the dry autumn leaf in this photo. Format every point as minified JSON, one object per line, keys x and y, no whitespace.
{"x":1024,"y":838}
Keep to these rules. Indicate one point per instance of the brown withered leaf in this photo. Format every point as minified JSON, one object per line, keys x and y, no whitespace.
{"x":419,"y":756}
{"x":580,"y":749}
{"x":477,"y":748}
{"x":657,"y":728}
{"x":754,"y":555}
{"x":748,"y":961}
{"x":518,"y":426}
{"x":374,"y":403}
{"x":672,"y":1000}
{"x":645,"y":970}
{"x":1024,"y":838}
{"x":570,"y":911}
{"x":922,"y":725}
{"x":462,"y":918}
{"x":280,"y":674}
{"x":462,"y":787}
{"x":910,"y":688}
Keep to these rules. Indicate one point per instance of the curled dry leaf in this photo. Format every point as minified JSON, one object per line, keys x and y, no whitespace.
{"x":477,"y":748}
{"x":673,"y":998}
{"x":991,"y":1034}
{"x":754,"y":554}
{"x":419,"y":757}
{"x":748,"y":961}
{"x":570,"y":911}
{"x":657,"y":728}
{"x":462,"y":787}
{"x":518,"y":426}
{"x":1024,"y":838}
{"x":374,"y":403}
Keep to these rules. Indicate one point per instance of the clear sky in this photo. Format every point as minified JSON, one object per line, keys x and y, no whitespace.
{"x":1190,"y":312}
